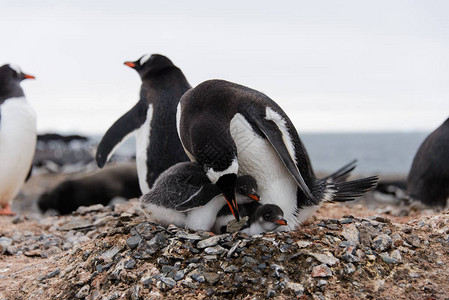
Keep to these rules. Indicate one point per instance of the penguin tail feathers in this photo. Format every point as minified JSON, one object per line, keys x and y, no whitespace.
{"x":347,"y":191}
{"x":342,"y":174}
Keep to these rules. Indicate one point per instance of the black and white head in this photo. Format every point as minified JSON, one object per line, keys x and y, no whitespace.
{"x":246,"y":185}
{"x":150,"y":64}
{"x":269,"y":217}
{"x":10,"y":78}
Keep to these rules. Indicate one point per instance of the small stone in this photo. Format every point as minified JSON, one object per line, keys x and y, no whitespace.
{"x":231,"y":269}
{"x":381,"y":243}
{"x":396,"y":254}
{"x":211,"y":278}
{"x":249,"y":260}
{"x":371,"y":257}
{"x":168,"y":281}
{"x":325,"y":258}
{"x":333,"y":226}
{"x":235,"y":226}
{"x":212,"y":241}
{"x":198,"y":276}
{"x":388,"y":259}
{"x":103,"y":221}
{"x":130,"y":264}
{"x":188,"y":236}
{"x":321,"y":271}
{"x":83,"y":292}
{"x":5,"y":242}
{"x":351,"y":234}
{"x":350,"y":258}
{"x":321,"y":282}
{"x":133,"y":241}
{"x":262,"y":266}
{"x":216,"y":250}
{"x":303,"y":244}
{"x":297,"y":288}
{"x":110,"y":254}
{"x":349,"y":268}
{"x":414,"y":240}
{"x":53,"y":274}
{"x":74,"y":224}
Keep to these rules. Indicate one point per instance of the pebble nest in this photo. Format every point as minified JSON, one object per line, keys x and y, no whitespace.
{"x":113,"y":252}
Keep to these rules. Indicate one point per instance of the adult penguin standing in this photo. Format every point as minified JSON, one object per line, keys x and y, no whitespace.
{"x":152,"y":119}
{"x":231,"y":129}
{"x":17,"y":135}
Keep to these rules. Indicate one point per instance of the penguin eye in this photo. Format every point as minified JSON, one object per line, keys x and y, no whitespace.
{"x":266,"y":216}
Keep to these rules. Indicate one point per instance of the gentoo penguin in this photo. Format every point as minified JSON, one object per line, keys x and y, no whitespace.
{"x":428,"y":179}
{"x":99,"y":187}
{"x":183,"y":195}
{"x":233,"y":130}
{"x":262,"y":218}
{"x":17,"y":135}
{"x":153,"y":120}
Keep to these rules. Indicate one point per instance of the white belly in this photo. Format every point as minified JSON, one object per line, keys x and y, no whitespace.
{"x":17,"y":146}
{"x":142,"y":143}
{"x":258,"y":158}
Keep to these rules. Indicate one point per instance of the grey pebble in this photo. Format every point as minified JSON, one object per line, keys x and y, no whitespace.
{"x":133,"y":241}
{"x":216,"y":250}
{"x":381,"y":243}
{"x":212,"y":241}
{"x":388,"y":259}
{"x":130,"y":264}
{"x":83,"y":292}
{"x":53,"y":274}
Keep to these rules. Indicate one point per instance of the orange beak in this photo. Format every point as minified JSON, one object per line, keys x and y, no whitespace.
{"x":281,"y":222}
{"x":255,"y":197}
{"x":130,"y":64}
{"x":27,"y":76}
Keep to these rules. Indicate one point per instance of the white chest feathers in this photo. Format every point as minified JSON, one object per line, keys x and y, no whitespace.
{"x":17,"y":145}
{"x":142,"y":144}
{"x":258,"y":158}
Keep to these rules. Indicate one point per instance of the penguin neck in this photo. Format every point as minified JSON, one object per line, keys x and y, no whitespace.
{"x":10,"y":90}
{"x":166,"y":78}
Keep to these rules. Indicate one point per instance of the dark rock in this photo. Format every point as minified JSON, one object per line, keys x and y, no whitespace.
{"x":381,"y":243}
{"x":53,"y":274}
{"x":133,"y":241}
{"x":130,"y":264}
{"x":321,"y":271}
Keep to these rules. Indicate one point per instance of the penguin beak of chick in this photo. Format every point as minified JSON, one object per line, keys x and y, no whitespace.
{"x":281,"y":221}
{"x":255,"y":197}
{"x":130,"y":64}
{"x":226,"y":184}
{"x":27,"y":76}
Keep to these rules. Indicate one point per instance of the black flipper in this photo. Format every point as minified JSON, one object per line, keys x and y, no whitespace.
{"x":347,"y":191}
{"x":204,"y":195}
{"x":341,"y":174}
{"x":125,"y":125}
{"x":274,"y":136}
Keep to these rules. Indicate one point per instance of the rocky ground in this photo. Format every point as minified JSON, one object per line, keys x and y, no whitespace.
{"x":374,"y":248}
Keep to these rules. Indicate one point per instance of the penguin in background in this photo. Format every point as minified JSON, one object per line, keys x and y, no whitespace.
{"x":17,"y":135}
{"x":428,"y":179}
{"x":232,"y":130}
{"x":152,"y":119}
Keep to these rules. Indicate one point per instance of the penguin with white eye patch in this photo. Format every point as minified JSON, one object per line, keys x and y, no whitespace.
{"x":152,"y":119}
{"x":232,"y":130}
{"x":17,"y":135}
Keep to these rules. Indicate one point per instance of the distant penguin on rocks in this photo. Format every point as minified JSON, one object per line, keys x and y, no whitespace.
{"x":185,"y":197}
{"x":232,"y":130}
{"x":153,"y":119}
{"x":428,"y":179}
{"x":17,"y":135}
{"x":99,"y":187}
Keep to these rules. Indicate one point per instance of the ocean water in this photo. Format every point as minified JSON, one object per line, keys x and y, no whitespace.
{"x":376,"y":153}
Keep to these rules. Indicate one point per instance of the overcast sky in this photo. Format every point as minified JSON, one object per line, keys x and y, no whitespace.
{"x":332,"y":65}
